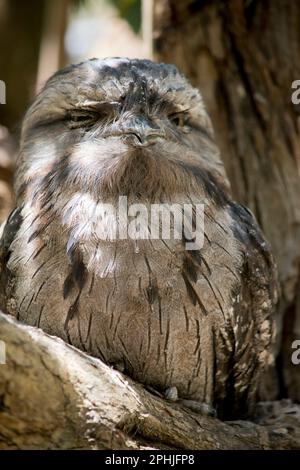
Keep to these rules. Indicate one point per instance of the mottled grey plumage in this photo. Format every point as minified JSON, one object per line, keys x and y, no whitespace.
{"x":200,"y":321}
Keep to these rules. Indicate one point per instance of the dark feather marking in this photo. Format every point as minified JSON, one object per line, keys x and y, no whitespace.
{"x":158,"y":351}
{"x":206,"y":264}
{"x":39,"y":268}
{"x":171,"y":369}
{"x":145,"y":367}
{"x":78,"y":268}
{"x":232,"y":272}
{"x":40,"y":315}
{"x":167,"y":246}
{"x":167,"y":337}
{"x":195,"y":258}
{"x":40,"y":288}
{"x":207,"y":239}
{"x":22,"y":301}
{"x":41,"y":214}
{"x":140,"y":285}
{"x":106,"y":303}
{"x":30,"y":302}
{"x":72,"y":311}
{"x":160,"y":316}
{"x":77,"y":277}
{"x":149,"y":336}
{"x":39,"y":251}
{"x":68,"y":286}
{"x":68,"y":334}
{"x":20,"y":306}
{"x":141,"y":348}
{"x":148,"y":265}
{"x":93,"y":275}
{"x":211,"y":217}
{"x":34,"y":235}
{"x":214,"y":293}
{"x":39,"y":231}
{"x":193,"y":294}
{"x":189,"y":386}
{"x":220,"y":293}
{"x":112,"y":313}
{"x":107,"y":342}
{"x":198,"y":337}
{"x":126,"y":354}
{"x":152,"y":291}
{"x":101,"y":356}
{"x":186,"y":318}
{"x":222,"y":247}
{"x":190,"y":269}
{"x":79,"y":334}
{"x":116,"y":326}
{"x":11,"y":227}
{"x":89,"y":325}
{"x":199,"y":362}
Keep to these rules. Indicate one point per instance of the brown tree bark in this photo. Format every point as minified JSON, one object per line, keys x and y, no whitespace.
{"x":53,"y":396}
{"x":244,"y":56}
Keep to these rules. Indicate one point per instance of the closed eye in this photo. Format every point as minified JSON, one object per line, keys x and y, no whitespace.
{"x":96,"y":112}
{"x":178,"y":119}
{"x":81,"y":118}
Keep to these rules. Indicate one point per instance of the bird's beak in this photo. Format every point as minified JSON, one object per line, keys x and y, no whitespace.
{"x":141,"y":131}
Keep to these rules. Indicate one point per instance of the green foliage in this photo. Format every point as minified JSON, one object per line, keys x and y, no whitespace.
{"x":129,"y":10}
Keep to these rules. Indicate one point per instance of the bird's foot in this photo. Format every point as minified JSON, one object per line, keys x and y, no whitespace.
{"x":171,"y":394}
{"x":199,"y":407}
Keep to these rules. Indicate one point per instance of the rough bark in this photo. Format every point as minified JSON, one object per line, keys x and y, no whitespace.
{"x":53,"y":396}
{"x":244,"y":57}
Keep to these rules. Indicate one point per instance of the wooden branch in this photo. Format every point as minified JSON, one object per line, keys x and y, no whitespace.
{"x":53,"y":396}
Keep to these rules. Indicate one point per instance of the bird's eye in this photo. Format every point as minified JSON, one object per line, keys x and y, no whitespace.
{"x":81,"y":118}
{"x":178,"y":119}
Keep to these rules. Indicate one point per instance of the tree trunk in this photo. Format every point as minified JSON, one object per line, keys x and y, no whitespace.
{"x":20,"y":32}
{"x":244,"y":56}
{"x":52,"y":50}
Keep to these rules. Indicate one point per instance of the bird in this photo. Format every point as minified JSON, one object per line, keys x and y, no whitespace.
{"x":196,"y":325}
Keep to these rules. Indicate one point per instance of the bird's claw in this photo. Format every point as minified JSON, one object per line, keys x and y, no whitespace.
{"x":171,"y":394}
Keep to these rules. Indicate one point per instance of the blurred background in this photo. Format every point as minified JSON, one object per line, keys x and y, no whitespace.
{"x":242,"y":54}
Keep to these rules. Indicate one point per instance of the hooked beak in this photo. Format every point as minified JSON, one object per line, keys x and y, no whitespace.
{"x":141,"y":131}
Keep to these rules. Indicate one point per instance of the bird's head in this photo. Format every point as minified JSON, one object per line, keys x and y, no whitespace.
{"x":119,"y":126}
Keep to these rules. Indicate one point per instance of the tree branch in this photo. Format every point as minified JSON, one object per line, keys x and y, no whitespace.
{"x":53,"y":396}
